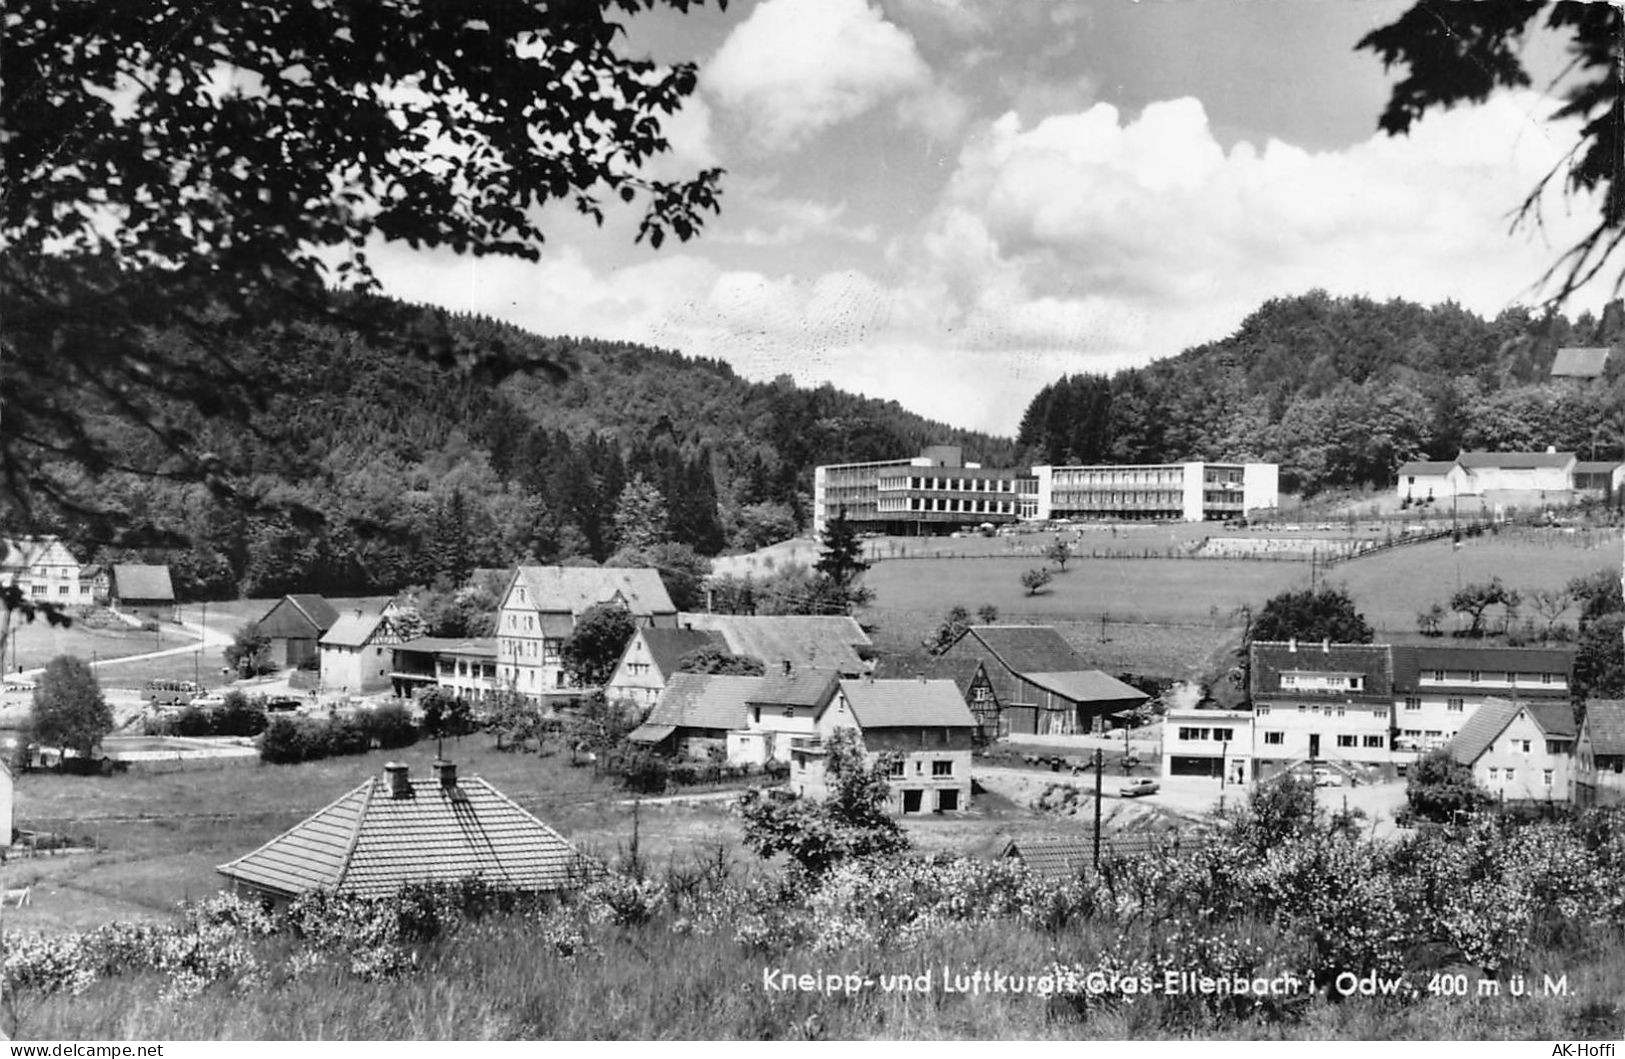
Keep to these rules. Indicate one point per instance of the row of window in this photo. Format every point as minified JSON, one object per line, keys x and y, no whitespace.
{"x":1508,"y":775}
{"x":971,"y":507}
{"x":547,"y":650}
{"x":942,"y":769}
{"x":958,"y":485}
{"x":37,"y":589}
{"x":1488,"y":676}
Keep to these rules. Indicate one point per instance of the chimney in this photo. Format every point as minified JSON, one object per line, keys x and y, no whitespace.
{"x":1292,"y":645}
{"x":787,"y":667}
{"x":400,"y":784}
{"x":446,"y":773}
{"x":1326,"y":645}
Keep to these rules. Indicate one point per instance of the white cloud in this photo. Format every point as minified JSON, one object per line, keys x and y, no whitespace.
{"x":797,"y":67}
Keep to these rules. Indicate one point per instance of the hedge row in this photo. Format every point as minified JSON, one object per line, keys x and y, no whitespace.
{"x":291,"y":740}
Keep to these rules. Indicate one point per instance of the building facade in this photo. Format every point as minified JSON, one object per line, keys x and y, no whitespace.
{"x":1520,"y":752}
{"x":1438,"y":687}
{"x":467,"y":668}
{"x":934,"y":492}
{"x":1599,"y":757}
{"x":44,"y":570}
{"x":1186,"y":492}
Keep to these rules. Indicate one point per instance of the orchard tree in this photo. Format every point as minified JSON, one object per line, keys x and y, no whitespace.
{"x":1034,"y":580}
{"x":249,"y":653}
{"x":1473,"y":600}
{"x":445,"y":713}
{"x":1462,"y":52}
{"x":1439,"y":786}
{"x":590,"y":652}
{"x":209,"y":171}
{"x":1059,"y":553}
{"x":69,"y":709}
{"x":1322,"y":614}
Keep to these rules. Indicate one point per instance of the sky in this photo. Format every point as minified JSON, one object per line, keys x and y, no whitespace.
{"x":953,"y":203}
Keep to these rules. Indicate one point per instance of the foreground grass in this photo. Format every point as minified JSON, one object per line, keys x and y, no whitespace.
{"x":497,"y":981}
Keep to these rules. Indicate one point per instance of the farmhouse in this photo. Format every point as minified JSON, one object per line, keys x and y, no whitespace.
{"x":356,"y":654}
{"x":1320,"y":702}
{"x":1599,"y":479}
{"x":651,"y":658}
{"x":541,"y":606}
{"x":1438,"y":687}
{"x":925,"y":723}
{"x":1043,"y":686}
{"x":142,"y":589}
{"x":1520,"y":752}
{"x":295,"y":626}
{"x":968,"y":674}
{"x":394,"y":830}
{"x":1492,"y":472}
{"x":1600,"y":754}
{"x":44,"y":570}
{"x":1423,"y":480}
{"x":696,"y":714}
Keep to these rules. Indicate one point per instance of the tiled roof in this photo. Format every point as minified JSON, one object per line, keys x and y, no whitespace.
{"x":1059,"y":857}
{"x":576,"y":589}
{"x":321,"y":613}
{"x":1580,"y":362}
{"x":369,"y":844}
{"x":1596,"y":466}
{"x":1605,"y":720}
{"x":1027,"y":649}
{"x":1089,"y":686}
{"x":353,"y":629}
{"x":1411,"y":660}
{"x":1371,"y":661}
{"x":667,"y":647}
{"x":830,"y":642}
{"x":1554,"y":718}
{"x":1426,"y":467}
{"x":907,"y":704}
{"x":1514,"y":461}
{"x":143,"y":581}
{"x":961,"y":669}
{"x":298,"y":616}
{"x":1481,"y":729}
{"x":704,"y":700}
{"x":651,"y":733}
{"x":480,"y":647}
{"x":799,"y":687}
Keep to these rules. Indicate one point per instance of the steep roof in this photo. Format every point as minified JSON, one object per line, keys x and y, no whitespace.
{"x":1554,"y":718}
{"x":576,"y":589}
{"x":1426,"y":467}
{"x":1481,"y":729}
{"x":1514,"y":461}
{"x":824,"y":641}
{"x":704,"y":700}
{"x":1596,"y":466}
{"x":1580,"y":362}
{"x":353,"y":629}
{"x":143,"y":581}
{"x":1027,"y":648}
{"x":369,"y":844}
{"x":1605,"y":720}
{"x":1370,"y":661}
{"x":1059,"y":857}
{"x":907,"y":704}
{"x":482,"y":646}
{"x":961,"y":669}
{"x":668,"y":647}
{"x":1411,"y":660}
{"x":23,"y":552}
{"x":799,"y":687}
{"x":300,"y":616}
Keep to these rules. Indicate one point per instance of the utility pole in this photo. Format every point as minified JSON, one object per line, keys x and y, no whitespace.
{"x":1097,"y":807}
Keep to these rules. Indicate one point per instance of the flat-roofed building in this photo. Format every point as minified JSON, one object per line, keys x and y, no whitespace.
{"x":1187,"y":492}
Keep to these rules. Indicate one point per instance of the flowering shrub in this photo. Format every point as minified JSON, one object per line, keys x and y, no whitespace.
{"x":627,"y":901}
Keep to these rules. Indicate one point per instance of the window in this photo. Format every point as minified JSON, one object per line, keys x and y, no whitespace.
{"x":1454,"y":705}
{"x":1374,"y":741}
{"x":1494,"y":773}
{"x":1546,"y":777}
{"x":942,"y":768}
{"x":1346,"y":740}
{"x":1545,"y":678}
{"x":1438,"y":674}
{"x":756,"y":714}
{"x":1223,"y":734}
{"x":1473,"y":676}
{"x":896,"y":768}
{"x":1557,"y":746}
{"x":789,"y":711}
{"x":1261,"y":709}
{"x":1523,"y":745}
{"x":1341,"y":710}
{"x":1510,"y":774}
{"x":1274,"y":738}
{"x":1413,"y":703}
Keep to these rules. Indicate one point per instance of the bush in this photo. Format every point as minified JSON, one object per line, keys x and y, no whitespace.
{"x":390,"y":727}
{"x":284,"y":743}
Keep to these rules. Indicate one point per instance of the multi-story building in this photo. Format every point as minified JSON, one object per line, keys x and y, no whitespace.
{"x":1188,"y":492}
{"x":1216,"y":743}
{"x":1438,"y":687}
{"x":1320,"y":702}
{"x":1520,"y":751}
{"x":44,"y":570}
{"x":934,"y":492}
{"x":467,"y":668}
{"x":539,"y":612}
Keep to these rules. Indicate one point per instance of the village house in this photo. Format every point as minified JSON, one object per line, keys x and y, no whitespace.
{"x":1520,"y":751}
{"x":811,"y":641}
{"x":1584,"y":363}
{"x":1320,"y":702}
{"x":925,"y":724}
{"x":1600,"y":754}
{"x":1523,"y":472}
{"x":1437,"y":687}
{"x":1423,"y":480}
{"x":396,"y":829}
{"x":467,"y":668}
{"x":652,"y":657}
{"x":541,"y":606}
{"x":969,"y":674}
{"x":1213,"y":743}
{"x":356,"y":654}
{"x":696,"y":714}
{"x":1599,"y":479}
{"x":1041,"y":685}
{"x":44,"y":571}
{"x":141,"y":589}
{"x":294,"y":626}
{"x":786,"y":706}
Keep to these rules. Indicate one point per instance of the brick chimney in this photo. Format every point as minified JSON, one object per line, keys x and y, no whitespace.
{"x":787,"y":667}
{"x":446,"y":773}
{"x":396,"y":778}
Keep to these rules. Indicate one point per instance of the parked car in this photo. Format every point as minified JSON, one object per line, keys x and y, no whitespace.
{"x":1135,"y":788}
{"x":1325,"y":777}
{"x":281,"y":704}
{"x":212,"y":700}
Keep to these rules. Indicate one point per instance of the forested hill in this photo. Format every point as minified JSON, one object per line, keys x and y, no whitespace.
{"x":423,"y":468}
{"x":1340,"y":391}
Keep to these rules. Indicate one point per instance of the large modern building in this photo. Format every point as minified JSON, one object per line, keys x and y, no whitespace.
{"x":1186,"y":492}
{"x":934,"y":492}
{"x":937,"y":492}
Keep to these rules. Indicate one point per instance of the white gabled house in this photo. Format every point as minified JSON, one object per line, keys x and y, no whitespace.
{"x":1520,"y":751}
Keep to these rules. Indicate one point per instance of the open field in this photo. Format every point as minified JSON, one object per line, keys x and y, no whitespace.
{"x":35,"y":643}
{"x":1393,"y":587}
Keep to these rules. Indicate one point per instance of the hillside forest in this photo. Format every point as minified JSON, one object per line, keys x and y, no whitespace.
{"x":370,"y":471}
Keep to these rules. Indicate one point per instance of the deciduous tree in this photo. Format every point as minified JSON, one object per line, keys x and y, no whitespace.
{"x":590,"y":652}
{"x":69,"y":708}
